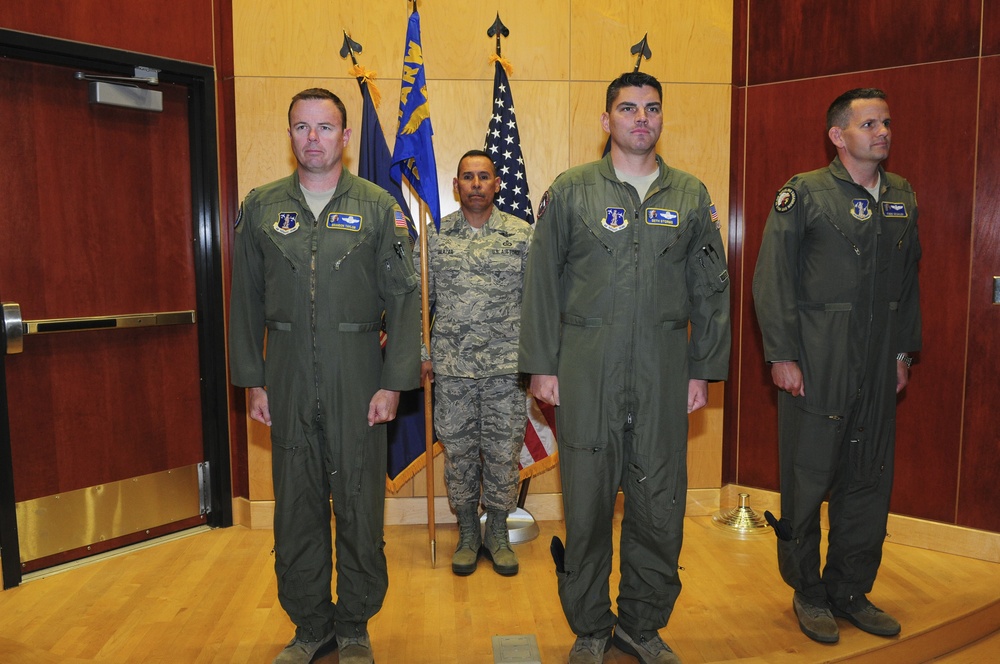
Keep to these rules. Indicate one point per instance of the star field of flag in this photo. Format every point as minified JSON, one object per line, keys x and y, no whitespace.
{"x":503,"y":143}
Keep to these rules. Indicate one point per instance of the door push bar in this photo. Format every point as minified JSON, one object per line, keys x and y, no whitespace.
{"x":15,"y":329}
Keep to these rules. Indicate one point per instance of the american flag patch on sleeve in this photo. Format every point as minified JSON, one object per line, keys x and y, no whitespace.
{"x":715,"y":215}
{"x":400,"y":219}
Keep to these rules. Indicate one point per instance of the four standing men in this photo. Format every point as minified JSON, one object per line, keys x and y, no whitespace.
{"x":476,"y":269}
{"x":838,"y":304}
{"x":318,"y":256}
{"x":626,"y":320}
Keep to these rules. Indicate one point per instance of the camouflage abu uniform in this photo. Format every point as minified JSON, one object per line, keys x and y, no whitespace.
{"x":475,"y":283}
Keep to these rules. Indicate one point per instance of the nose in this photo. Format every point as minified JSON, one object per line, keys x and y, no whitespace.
{"x":640,"y":116}
{"x":312,"y":135}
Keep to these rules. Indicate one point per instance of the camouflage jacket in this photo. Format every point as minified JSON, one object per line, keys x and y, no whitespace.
{"x":475,"y":283}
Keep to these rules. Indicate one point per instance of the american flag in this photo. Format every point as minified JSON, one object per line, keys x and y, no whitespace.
{"x":503,"y":143}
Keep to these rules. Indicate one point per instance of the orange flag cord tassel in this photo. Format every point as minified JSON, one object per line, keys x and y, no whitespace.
{"x":357,"y":71}
{"x":504,"y":62}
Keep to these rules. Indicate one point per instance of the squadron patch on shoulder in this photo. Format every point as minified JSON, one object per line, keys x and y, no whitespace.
{"x":239,"y":217}
{"x":890,"y":209}
{"x":614,"y":219}
{"x":661,"y":217}
{"x":288,"y":222}
{"x":344,"y":221}
{"x":861,"y":209}
{"x":543,"y":205}
{"x":785,"y":200}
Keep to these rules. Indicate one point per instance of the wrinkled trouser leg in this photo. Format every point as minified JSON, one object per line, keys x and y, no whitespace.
{"x":809,"y":451}
{"x":590,"y":480}
{"x":457,"y":424}
{"x":859,"y":511}
{"x":302,"y":547}
{"x":362,"y":576}
{"x":655,"y":487}
{"x":481,"y":424}
{"x":505,"y":417}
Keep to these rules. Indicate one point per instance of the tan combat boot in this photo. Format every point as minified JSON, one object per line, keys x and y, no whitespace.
{"x":497,"y":544}
{"x":470,"y":541}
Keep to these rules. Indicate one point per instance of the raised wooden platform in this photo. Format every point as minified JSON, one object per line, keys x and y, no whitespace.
{"x":210,"y":597}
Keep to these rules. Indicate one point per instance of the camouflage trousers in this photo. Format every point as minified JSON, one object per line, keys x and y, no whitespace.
{"x":481,"y":424}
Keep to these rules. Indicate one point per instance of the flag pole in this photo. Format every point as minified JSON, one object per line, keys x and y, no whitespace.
{"x":428,"y":395}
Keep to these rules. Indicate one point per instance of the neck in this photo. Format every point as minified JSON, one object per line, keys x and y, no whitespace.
{"x":864,"y":173}
{"x":320,"y":181}
{"x":477,"y":219}
{"x":633,"y":164}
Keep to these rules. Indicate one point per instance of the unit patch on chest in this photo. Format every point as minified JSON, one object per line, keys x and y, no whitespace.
{"x":342,"y":221}
{"x":861,"y":209}
{"x":288,"y":222}
{"x":890,"y":209}
{"x":660,"y":217}
{"x":614,"y":219}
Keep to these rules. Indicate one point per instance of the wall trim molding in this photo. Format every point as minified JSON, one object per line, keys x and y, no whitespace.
{"x":909,"y":531}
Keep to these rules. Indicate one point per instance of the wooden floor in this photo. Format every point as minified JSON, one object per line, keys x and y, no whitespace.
{"x":210,"y":597}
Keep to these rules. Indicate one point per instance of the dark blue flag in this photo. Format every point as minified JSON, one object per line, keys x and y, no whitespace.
{"x":375,"y":161}
{"x":406,"y":432}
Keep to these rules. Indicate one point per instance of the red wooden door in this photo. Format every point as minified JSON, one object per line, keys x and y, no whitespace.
{"x":106,"y":423}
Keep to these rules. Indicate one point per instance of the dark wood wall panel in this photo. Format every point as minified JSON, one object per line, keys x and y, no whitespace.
{"x":794,"y":39}
{"x":734,"y":244}
{"x":180,"y":30}
{"x":929,"y":424}
{"x":991,"y":27}
{"x":781,"y":142}
{"x":229,"y":209}
{"x":979,"y":488}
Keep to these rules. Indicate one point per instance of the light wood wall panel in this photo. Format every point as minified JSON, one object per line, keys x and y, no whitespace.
{"x":691,"y":42}
{"x":564,"y":53}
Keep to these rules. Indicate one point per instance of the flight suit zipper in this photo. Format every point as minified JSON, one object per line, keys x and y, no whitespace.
{"x":313,"y":256}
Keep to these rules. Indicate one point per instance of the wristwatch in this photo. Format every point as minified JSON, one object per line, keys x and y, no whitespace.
{"x":903,"y":357}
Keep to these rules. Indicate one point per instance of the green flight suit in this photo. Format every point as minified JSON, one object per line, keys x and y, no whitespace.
{"x":319,"y":288}
{"x":612,"y":285}
{"x":835,"y":289}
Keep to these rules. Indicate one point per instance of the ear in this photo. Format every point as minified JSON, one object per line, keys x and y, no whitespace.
{"x":496,"y":184}
{"x":347,"y":136}
{"x":606,"y":122}
{"x":454,"y":185}
{"x":836,"y":136}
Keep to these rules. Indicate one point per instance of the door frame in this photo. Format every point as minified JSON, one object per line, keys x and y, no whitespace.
{"x":200,"y":83}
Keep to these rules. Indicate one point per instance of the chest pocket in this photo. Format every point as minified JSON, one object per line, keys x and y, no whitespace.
{"x":505,"y":267}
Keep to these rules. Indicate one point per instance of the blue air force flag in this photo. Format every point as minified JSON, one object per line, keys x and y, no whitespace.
{"x":413,"y":154}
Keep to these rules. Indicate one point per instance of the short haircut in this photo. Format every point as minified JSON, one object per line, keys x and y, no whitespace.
{"x":632,"y":79}
{"x":840,"y":110}
{"x":318,"y":93}
{"x":477,"y":153}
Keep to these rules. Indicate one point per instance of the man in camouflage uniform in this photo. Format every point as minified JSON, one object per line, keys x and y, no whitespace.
{"x":476,"y":263}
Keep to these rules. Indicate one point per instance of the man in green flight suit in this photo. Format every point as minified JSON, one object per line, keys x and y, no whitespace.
{"x":838,"y":305}
{"x":318,"y":257}
{"x":625,"y":321}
